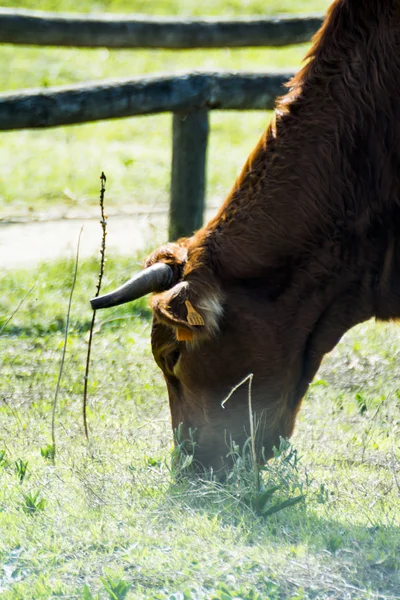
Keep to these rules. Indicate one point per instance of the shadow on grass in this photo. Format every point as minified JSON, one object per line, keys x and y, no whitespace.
{"x":304,"y":549}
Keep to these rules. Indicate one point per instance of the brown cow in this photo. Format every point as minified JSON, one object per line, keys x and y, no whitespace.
{"x":306,"y":245}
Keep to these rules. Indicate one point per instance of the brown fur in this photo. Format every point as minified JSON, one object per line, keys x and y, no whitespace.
{"x":306,"y":245}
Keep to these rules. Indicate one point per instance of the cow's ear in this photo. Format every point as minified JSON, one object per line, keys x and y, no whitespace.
{"x":190,"y":313}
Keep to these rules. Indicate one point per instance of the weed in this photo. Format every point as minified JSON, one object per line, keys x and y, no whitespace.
{"x":270,"y":591}
{"x":32,"y":503}
{"x":48,"y":452}
{"x":87,"y":594}
{"x":270,"y":488}
{"x":21,"y":467}
{"x":334,"y":543}
{"x":361,"y":403}
{"x":152,"y":463}
{"x":4,"y":463}
{"x":116,"y":588}
{"x":183,"y":453}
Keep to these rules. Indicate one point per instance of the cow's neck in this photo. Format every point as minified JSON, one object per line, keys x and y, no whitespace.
{"x":326,"y":169}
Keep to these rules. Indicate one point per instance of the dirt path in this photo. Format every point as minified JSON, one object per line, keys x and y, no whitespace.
{"x":26,"y":243}
{"x":29,"y":243}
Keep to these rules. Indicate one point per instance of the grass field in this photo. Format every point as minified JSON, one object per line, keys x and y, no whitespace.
{"x":114,"y":509}
{"x":110,"y":518}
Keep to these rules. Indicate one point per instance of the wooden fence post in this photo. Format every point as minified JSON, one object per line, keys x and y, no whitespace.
{"x":188,"y":173}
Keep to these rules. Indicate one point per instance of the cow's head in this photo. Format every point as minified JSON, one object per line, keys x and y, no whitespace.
{"x":210,"y":332}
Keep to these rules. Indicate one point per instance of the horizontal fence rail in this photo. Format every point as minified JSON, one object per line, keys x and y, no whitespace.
{"x":189,"y":97}
{"x":111,"y":31}
{"x":52,"y":107}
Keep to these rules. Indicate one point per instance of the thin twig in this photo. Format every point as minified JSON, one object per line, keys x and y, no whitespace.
{"x":17,"y":309}
{"x":14,"y":412}
{"x":53,"y":416}
{"x":87,"y":375}
{"x":252,"y":418}
{"x":103,"y":223}
{"x":233,"y":390}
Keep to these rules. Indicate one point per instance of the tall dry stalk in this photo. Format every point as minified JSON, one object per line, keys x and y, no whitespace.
{"x":103,"y":224}
{"x":60,"y":372}
{"x":252,"y":419}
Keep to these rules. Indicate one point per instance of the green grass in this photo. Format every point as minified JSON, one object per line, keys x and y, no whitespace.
{"x":179,"y":8}
{"x":59,"y":168}
{"x":110,"y":513}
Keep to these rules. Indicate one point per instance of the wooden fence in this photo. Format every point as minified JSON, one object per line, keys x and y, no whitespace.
{"x":189,"y":97}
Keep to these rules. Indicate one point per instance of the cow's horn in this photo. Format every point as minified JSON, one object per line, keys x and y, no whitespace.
{"x":156,"y":278}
